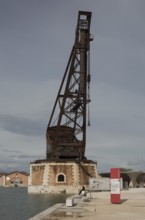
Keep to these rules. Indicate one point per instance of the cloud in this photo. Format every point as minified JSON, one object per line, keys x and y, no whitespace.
{"x":137,"y":164}
{"x":11,"y":160}
{"x":23,"y":126}
{"x":10,"y":151}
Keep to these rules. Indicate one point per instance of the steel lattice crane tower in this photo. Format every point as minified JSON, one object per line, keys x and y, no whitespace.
{"x":65,"y":168}
{"x":66,"y":131}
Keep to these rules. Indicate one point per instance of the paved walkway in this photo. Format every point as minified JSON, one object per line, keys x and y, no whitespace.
{"x":132,"y":207}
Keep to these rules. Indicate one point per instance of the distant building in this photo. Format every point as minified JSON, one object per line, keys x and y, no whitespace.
{"x":14,"y":179}
{"x":2,"y":178}
{"x":131,"y":179}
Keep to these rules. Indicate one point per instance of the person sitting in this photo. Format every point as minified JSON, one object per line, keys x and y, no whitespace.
{"x":82,"y":191}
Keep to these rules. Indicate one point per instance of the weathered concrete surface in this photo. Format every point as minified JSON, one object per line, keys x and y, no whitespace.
{"x":48,"y":211}
{"x":132,"y":207}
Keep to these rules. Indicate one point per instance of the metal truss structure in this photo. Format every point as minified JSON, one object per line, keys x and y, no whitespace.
{"x":66,"y":131}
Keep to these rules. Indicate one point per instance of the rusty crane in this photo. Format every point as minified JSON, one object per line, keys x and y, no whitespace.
{"x":66,"y":131}
{"x":66,"y":168}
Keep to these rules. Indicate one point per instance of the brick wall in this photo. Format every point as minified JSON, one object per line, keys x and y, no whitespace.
{"x":16,"y":179}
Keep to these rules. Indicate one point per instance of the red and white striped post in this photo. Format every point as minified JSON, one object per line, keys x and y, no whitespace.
{"x":115,"y":185}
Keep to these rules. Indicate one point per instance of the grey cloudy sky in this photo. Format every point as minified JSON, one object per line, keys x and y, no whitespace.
{"x":36,"y":37}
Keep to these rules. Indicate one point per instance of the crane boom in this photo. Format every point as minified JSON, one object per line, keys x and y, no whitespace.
{"x":66,"y":131}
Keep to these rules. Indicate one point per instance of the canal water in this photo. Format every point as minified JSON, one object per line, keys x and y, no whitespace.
{"x":17,"y":204}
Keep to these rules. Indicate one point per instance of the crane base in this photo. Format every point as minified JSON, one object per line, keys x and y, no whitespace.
{"x":60,"y":177}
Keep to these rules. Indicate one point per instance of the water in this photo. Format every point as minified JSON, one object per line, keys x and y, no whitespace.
{"x":17,"y":204}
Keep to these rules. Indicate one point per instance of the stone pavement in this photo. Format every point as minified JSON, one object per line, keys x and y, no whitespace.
{"x":132,"y":207}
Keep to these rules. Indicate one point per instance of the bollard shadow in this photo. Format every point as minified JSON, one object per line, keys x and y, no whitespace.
{"x":123,"y":200}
